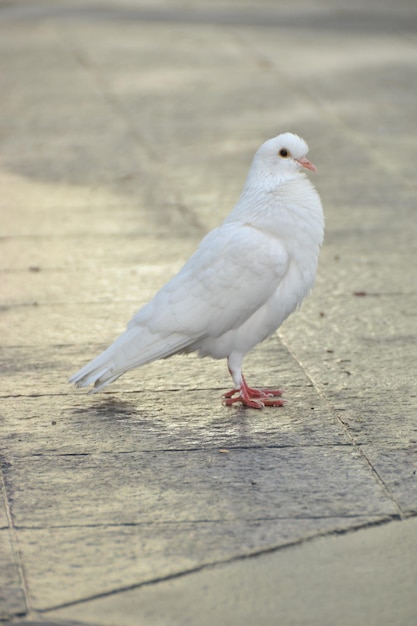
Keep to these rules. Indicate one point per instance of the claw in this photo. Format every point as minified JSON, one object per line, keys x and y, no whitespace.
{"x":246,"y":396}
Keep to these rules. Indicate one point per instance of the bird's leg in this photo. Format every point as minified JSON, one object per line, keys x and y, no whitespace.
{"x":253,"y":398}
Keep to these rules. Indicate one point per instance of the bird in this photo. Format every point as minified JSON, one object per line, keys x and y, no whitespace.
{"x":244,"y":279}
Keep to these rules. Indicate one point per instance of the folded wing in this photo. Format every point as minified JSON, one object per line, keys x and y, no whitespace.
{"x":234,"y":271}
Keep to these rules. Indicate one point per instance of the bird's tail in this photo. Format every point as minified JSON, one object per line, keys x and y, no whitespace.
{"x":135,"y":347}
{"x":99,"y":372}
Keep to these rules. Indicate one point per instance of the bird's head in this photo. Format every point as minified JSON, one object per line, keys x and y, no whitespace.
{"x":283,"y":155}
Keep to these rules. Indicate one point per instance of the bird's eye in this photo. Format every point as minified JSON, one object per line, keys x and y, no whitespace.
{"x":284,"y":153}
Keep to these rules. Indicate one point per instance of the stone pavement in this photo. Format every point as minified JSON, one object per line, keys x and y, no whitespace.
{"x":126,"y":132}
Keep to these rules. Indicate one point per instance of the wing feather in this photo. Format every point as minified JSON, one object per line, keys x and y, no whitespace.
{"x":234,"y":271}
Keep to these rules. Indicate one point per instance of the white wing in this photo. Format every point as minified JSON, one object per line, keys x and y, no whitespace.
{"x":234,"y":271}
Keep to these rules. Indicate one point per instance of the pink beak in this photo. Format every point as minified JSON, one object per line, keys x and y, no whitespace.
{"x":307,"y":164}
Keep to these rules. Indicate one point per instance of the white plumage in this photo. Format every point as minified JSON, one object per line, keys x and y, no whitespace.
{"x":242,"y":282}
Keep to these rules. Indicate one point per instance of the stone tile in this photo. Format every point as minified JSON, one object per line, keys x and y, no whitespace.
{"x":9,"y":573}
{"x":362,"y":577}
{"x":12,"y":597}
{"x":139,"y":487}
{"x":164,"y":420}
{"x":360,"y":354}
{"x":397,"y":467}
{"x":4,"y":522}
{"x":87,"y":561}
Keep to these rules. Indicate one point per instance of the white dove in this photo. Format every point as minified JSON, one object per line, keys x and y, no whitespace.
{"x":245,"y":278}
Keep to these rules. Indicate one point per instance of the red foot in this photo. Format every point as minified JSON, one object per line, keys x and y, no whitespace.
{"x":246,"y":395}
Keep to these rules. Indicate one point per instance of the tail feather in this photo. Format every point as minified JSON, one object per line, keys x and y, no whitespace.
{"x":135,"y":347}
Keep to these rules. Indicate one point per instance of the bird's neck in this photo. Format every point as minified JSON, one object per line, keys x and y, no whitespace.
{"x":265,"y":180}
{"x":280,"y":205}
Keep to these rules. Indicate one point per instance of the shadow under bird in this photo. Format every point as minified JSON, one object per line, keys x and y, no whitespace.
{"x":245,"y":278}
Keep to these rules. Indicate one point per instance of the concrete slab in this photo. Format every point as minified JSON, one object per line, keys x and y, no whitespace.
{"x":87,"y":561}
{"x":366,"y":577}
{"x":12,"y":596}
{"x":133,"y":488}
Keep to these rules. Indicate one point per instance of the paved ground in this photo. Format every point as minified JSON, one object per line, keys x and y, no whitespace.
{"x":127,"y":129}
